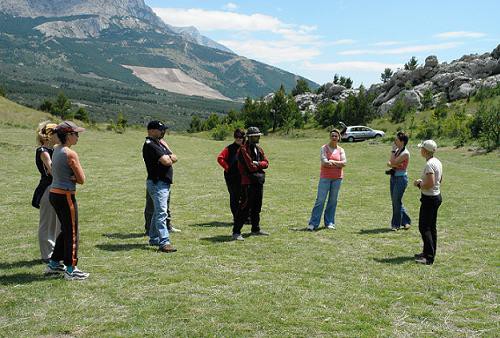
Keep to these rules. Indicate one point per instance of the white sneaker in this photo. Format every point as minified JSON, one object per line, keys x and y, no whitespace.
{"x":238,"y":237}
{"x":172,"y":229}
{"x":330,"y":226}
{"x":51,"y":271}
{"x":77,"y":274}
{"x":310,"y":227}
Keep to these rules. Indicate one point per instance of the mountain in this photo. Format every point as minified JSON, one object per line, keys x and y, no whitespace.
{"x":117,"y":55}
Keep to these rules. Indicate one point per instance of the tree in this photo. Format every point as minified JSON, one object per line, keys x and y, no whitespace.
{"x":62,"y":106}
{"x":278,"y":108}
{"x":195,"y":124}
{"x":2,"y":92}
{"x":386,"y":75}
{"x":427,"y":99}
{"x":412,"y":64}
{"x":348,"y":83}
{"x":47,"y":106}
{"x":82,"y":115}
{"x":211,"y":122}
{"x":336,"y":79}
{"x":301,"y":87}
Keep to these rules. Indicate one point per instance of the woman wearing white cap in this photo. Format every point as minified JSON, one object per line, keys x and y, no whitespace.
{"x":430,"y":199}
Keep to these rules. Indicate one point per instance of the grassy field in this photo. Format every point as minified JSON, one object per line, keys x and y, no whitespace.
{"x":359,"y":280}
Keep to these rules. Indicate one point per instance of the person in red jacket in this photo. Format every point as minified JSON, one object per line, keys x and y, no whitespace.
{"x":228,"y":159}
{"x":251,"y":163}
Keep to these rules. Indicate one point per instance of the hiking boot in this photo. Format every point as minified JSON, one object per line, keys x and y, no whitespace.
{"x":238,"y":237}
{"x":54,"y":270}
{"x":419,"y":255}
{"x":330,"y":226}
{"x":423,"y":260}
{"x":260,"y":233}
{"x":167,"y":248}
{"x":77,"y":274}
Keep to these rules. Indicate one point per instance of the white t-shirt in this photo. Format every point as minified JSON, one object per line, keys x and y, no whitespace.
{"x":435,"y":167}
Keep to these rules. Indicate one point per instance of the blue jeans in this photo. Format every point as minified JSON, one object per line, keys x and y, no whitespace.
{"x":399,"y":215}
{"x":327,"y":187}
{"x":159,"y":192}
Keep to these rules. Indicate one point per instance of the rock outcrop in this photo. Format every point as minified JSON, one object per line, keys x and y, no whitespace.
{"x":457,"y":80}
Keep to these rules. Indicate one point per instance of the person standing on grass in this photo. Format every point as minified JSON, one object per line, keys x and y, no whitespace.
{"x":430,"y":188}
{"x":149,"y":208}
{"x":159,"y":160}
{"x":251,"y":163}
{"x":66,"y":173}
{"x":228,"y":159}
{"x":333,"y":160}
{"x":48,"y":225}
{"x":398,"y":163}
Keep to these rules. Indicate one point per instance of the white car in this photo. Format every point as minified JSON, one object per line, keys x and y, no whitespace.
{"x":355,"y":133}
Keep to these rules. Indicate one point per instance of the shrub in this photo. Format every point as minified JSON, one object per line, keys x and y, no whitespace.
{"x":220,"y":132}
{"x":486,"y":126}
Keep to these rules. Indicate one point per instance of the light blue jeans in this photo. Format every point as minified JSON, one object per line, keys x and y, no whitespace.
{"x":158,"y":232}
{"x":327,"y":187}
{"x":399,"y":214}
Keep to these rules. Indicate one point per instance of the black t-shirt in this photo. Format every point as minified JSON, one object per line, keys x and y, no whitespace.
{"x":233,"y":173}
{"x":151,"y":152}
{"x":44,"y":175}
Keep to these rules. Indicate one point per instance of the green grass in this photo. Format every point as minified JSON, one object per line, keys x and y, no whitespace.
{"x":359,"y":280}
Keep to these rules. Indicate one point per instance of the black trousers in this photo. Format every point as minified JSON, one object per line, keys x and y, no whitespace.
{"x":250,"y":204}
{"x":66,"y":248}
{"x":427,"y":224}
{"x":149,"y":210}
{"x":234,"y":189}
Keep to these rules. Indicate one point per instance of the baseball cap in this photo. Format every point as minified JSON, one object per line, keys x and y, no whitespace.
{"x":68,"y":127}
{"x":157,"y":125}
{"x":428,"y":145}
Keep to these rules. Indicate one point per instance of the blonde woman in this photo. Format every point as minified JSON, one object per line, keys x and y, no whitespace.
{"x":48,"y":225}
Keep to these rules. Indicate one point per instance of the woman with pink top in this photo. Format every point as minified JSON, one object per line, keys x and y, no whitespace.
{"x":333,"y":160}
{"x":398,"y":163}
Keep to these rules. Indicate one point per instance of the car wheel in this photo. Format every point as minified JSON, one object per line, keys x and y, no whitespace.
{"x":350,"y":139}
{"x":378,"y":135}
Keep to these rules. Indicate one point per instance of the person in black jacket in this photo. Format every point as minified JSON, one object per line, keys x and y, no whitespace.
{"x":251,"y":162}
{"x":228,"y":159}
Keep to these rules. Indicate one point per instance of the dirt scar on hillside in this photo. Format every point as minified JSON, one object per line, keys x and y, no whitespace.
{"x":176,"y":81}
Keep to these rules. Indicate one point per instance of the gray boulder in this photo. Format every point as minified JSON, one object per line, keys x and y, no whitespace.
{"x":495,"y":53}
{"x":334,"y":90}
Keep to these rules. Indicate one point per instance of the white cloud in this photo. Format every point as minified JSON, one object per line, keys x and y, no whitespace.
{"x":230,"y":6}
{"x":402,"y":50}
{"x":362,"y":66}
{"x":282,"y":42}
{"x":459,"y":34}
{"x":218,"y":20}
{"x":343,"y":42}
{"x":273,"y":52}
{"x":386,"y":43}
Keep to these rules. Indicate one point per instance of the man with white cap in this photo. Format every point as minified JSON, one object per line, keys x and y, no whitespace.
{"x":430,"y":199}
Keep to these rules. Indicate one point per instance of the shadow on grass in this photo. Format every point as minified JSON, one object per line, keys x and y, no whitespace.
{"x":23,"y":278}
{"x":395,"y":260}
{"x":122,"y":247}
{"x":119,"y":235}
{"x":20,"y":264}
{"x":374,"y":231}
{"x":222,"y":238}
{"x":305,"y":229}
{"x":213,"y":224}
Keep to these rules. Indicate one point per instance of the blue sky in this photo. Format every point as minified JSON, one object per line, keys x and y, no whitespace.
{"x":352,"y":38}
